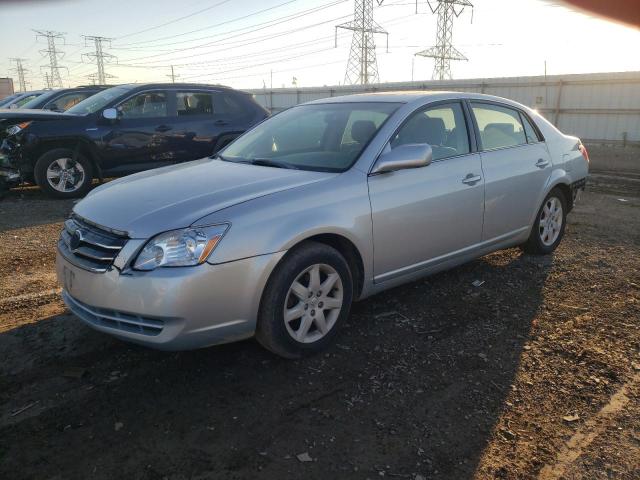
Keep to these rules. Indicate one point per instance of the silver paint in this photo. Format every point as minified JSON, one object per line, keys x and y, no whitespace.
{"x":404,"y":224}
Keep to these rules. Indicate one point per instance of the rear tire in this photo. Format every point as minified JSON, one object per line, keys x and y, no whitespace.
{"x":548,"y":229}
{"x":297,"y":317}
{"x":62,"y":173}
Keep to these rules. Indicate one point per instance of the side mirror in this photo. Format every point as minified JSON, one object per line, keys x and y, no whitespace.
{"x":412,"y":155}
{"x":110,"y":113}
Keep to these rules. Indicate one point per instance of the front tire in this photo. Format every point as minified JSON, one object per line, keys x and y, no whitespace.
{"x":63,"y":173}
{"x":548,"y":229}
{"x":307,"y":297}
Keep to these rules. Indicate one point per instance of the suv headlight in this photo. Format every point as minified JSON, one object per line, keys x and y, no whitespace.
{"x":180,"y":248}
{"x":17,"y":128}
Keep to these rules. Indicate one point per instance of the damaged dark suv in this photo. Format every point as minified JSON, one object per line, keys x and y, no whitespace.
{"x":121,"y":130}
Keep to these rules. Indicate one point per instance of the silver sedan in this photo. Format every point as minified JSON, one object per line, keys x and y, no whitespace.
{"x":323,"y":204}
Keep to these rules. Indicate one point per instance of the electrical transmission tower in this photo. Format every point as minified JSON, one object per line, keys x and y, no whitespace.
{"x":444,"y":51}
{"x":20,"y":70}
{"x":100,"y":58}
{"x":362,"y":67}
{"x":54,"y":78}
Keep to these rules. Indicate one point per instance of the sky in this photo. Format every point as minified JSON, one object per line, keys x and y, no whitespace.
{"x":256,"y":43}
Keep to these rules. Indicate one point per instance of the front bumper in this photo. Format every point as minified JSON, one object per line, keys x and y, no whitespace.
{"x":178,"y":308}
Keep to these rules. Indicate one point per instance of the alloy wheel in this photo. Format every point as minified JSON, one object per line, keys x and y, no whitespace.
{"x":313,"y":303}
{"x":551,"y":219}
{"x":65,"y":175}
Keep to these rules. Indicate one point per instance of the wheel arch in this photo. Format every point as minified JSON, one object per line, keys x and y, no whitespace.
{"x":345,"y":247}
{"x":83,"y":146}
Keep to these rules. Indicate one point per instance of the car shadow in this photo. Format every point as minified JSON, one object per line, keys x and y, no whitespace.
{"x":414,"y":385}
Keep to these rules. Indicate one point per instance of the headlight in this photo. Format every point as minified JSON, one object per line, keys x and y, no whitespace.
{"x":180,"y":248}
{"x":17,"y":128}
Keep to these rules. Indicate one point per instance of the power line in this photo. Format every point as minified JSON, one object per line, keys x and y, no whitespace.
{"x":217,"y":24}
{"x":20,"y":70}
{"x":53,"y":78}
{"x":175,"y":20}
{"x":444,"y":51}
{"x":236,"y":44}
{"x":250,"y":28}
{"x":100,"y":57}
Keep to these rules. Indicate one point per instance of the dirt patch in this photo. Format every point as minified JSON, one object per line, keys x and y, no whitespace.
{"x":435,"y":379}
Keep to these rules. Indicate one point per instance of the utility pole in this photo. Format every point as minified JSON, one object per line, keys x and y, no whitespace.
{"x":173,"y":75}
{"x":47,"y":79}
{"x":54,"y":78}
{"x":444,"y":51}
{"x":100,"y":58}
{"x":20,"y":70}
{"x":362,"y":67}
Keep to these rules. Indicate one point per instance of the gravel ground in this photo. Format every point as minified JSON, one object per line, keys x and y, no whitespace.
{"x":534,"y":374}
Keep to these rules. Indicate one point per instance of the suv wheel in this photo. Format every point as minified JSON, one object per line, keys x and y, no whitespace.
{"x":64,"y":174}
{"x":548,"y":229}
{"x":307,"y":297}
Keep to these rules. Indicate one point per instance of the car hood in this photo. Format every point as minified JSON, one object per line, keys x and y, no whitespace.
{"x":168,"y":198}
{"x":15,"y":115}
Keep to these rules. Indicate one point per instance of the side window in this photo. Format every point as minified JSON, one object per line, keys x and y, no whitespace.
{"x":227,"y":105}
{"x":443,"y":127}
{"x":145,"y":105}
{"x":65,"y":102}
{"x":194,"y":103}
{"x":532,"y":135}
{"x":499,"y":126}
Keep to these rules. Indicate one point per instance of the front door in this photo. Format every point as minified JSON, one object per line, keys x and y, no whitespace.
{"x":426,"y":215}
{"x":516,"y":167}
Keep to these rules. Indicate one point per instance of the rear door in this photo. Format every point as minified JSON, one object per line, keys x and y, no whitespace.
{"x":206,"y":121}
{"x":140,"y":137}
{"x":424,"y":216}
{"x":516,"y":166}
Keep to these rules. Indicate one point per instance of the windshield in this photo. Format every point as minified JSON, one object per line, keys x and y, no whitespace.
{"x":325,"y":137}
{"x":8,"y":99}
{"x":99,"y":100}
{"x":35,"y":102}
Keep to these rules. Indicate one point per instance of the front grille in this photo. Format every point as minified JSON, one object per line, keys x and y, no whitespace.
{"x":88,"y":246}
{"x":104,"y":317}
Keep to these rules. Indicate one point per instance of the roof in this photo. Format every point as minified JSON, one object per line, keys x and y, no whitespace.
{"x":175,"y":85}
{"x":410,"y":96}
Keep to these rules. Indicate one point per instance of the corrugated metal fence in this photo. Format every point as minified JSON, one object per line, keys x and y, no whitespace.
{"x":597,"y":107}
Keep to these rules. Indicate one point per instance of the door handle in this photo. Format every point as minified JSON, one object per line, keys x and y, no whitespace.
{"x":471,"y":179}
{"x":163,"y":128}
{"x":541,"y":163}
{"x":220,"y":123}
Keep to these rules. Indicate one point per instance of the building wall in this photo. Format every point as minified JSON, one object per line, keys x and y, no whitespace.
{"x":6,"y":87}
{"x":597,"y":107}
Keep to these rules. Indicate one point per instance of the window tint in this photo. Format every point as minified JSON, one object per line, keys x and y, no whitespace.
{"x":194,"y":103}
{"x":532,"y":135}
{"x":65,"y":102}
{"x":499,"y":126}
{"x":145,"y":105}
{"x":26,"y":99}
{"x":443,"y":127}
{"x":224,"y":104}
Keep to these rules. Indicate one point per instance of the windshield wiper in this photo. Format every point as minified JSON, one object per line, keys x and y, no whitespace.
{"x":267,"y":162}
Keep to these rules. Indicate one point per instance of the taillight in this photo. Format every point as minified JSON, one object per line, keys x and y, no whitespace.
{"x":584,"y":152}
